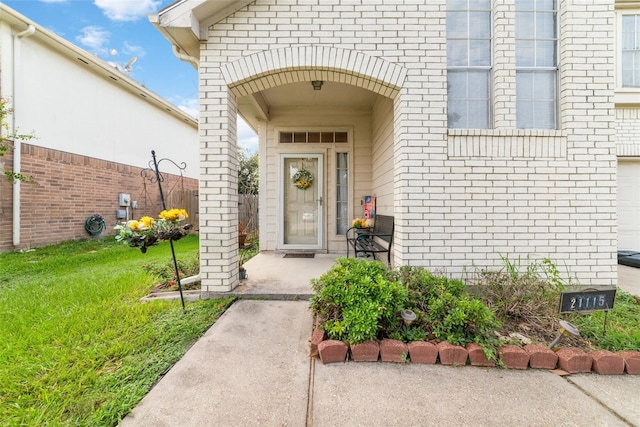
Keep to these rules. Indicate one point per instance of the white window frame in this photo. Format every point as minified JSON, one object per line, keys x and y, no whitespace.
{"x":556,"y":69}
{"x":623,"y":95}
{"x":489,"y":68}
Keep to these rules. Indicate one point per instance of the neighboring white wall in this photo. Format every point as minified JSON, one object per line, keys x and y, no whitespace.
{"x":71,"y":108}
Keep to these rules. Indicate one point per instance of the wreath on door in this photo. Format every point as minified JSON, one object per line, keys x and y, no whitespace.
{"x":303,"y":179}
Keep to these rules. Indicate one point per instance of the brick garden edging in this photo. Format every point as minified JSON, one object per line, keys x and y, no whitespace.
{"x":571,"y":360}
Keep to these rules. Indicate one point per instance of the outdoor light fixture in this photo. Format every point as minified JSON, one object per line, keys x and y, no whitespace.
{"x":565,"y":330}
{"x":317,"y":84}
{"x":408,"y":316}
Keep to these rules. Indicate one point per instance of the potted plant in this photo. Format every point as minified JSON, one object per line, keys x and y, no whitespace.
{"x":242,"y":258}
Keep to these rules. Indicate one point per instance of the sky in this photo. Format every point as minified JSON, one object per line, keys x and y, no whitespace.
{"x":119,"y":30}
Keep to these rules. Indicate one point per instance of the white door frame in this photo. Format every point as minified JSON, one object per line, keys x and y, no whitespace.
{"x":319,"y":188}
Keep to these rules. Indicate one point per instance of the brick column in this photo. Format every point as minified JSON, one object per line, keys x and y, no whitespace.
{"x":218,"y":186}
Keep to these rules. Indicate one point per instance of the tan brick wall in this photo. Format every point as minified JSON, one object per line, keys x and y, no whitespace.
{"x":69,"y":188}
{"x":461,"y":198}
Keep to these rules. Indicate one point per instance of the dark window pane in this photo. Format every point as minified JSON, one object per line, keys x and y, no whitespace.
{"x":341,"y":137}
{"x":314,"y":137}
{"x":286,"y":137}
{"x":326,"y":137}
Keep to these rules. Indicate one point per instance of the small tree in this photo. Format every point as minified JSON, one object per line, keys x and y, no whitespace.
{"x":6,"y":141}
{"x":248,"y":184}
{"x":248,"y":178}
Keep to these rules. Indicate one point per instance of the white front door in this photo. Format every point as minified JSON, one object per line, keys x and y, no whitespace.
{"x":301,"y":201}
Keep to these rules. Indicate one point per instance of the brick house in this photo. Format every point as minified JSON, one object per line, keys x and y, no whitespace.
{"x":486,"y":128}
{"x":95,"y":130}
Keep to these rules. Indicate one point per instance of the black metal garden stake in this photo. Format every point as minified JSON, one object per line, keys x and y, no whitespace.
{"x":159,"y":179}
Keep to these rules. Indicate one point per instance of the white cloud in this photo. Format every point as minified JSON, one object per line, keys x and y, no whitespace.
{"x":127,"y":10}
{"x":94,"y":37}
{"x":247,"y":138}
{"x":189,"y":106}
{"x":130,"y":49}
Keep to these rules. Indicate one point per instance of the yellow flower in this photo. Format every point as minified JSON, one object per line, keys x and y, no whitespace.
{"x":134,"y":225}
{"x":174,"y":215}
{"x":147,"y":221}
{"x":359,"y":222}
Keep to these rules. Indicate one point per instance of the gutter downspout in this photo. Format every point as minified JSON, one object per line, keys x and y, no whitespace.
{"x":17,"y":155}
{"x":181,"y":56}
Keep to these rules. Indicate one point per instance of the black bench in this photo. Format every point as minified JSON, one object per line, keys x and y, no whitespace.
{"x":374,"y":240}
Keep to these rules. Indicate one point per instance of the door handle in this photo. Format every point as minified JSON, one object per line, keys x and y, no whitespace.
{"x":320,"y":200}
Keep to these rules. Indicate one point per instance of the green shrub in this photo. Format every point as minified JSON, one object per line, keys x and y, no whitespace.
{"x":360,"y":300}
{"x":444,"y":308}
{"x":355,"y":299}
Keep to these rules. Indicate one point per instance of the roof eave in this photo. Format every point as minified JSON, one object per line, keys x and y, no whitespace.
{"x":184,"y":38}
{"x":185,"y":23}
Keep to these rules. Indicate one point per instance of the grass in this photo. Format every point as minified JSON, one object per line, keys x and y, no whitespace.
{"x":618,"y":329}
{"x":77,"y":346}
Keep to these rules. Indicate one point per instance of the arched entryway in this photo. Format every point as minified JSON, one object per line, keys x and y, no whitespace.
{"x":329,"y":112}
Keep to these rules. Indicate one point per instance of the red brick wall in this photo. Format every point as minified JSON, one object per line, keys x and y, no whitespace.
{"x":69,"y":188}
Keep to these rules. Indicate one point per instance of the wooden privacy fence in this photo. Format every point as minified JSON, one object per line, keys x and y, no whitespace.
{"x":248,"y":210}
{"x":188,"y":199}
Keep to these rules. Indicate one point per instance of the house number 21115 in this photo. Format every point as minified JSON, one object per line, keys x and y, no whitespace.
{"x":587,"y":300}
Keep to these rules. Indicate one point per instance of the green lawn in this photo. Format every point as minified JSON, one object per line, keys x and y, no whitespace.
{"x":77,"y":347}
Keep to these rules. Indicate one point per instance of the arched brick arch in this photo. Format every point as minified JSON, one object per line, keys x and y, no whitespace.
{"x":271,"y":68}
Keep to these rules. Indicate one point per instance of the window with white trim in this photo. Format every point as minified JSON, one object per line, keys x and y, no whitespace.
{"x":630,"y":45}
{"x":469,"y":64}
{"x":342,"y":193}
{"x":536,"y":64}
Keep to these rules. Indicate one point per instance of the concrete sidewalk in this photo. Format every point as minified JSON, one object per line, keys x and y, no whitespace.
{"x":252,"y":368}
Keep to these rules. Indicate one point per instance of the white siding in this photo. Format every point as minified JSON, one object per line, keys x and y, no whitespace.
{"x":71,"y":108}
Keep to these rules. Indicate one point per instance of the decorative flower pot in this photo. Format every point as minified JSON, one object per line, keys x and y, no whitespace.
{"x":243,"y":274}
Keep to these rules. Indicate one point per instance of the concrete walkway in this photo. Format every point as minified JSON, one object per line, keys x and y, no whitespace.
{"x":252,"y":368}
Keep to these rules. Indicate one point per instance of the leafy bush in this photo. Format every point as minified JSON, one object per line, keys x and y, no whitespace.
{"x":444,"y":308}
{"x":355,"y":299}
{"x":358,"y":300}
